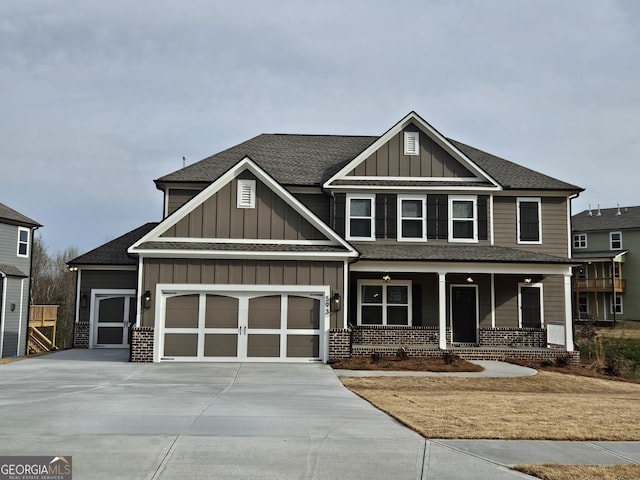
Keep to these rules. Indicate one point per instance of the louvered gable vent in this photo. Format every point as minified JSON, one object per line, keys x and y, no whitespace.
{"x":411,"y":143}
{"x":246,"y":193}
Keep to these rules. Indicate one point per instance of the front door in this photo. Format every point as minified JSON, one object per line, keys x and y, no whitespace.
{"x":114,"y":315}
{"x":464,"y":313}
{"x":530,"y":311}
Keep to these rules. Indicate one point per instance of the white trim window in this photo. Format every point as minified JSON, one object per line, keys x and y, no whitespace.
{"x":529,"y":220}
{"x":361,"y":217}
{"x":246,"y":194}
{"x":463,"y":218}
{"x":618,"y":303}
{"x":384,"y":303}
{"x":615,"y":240}
{"x":412,"y":143}
{"x":580,"y":240}
{"x":412,"y":225}
{"x":24,"y":238}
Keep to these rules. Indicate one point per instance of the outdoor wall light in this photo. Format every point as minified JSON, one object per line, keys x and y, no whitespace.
{"x":73,"y":269}
{"x":527,"y":280}
{"x":147,"y":299}
{"x":336,"y":302}
{"x":13,"y":307}
{"x":386,"y":279}
{"x":469,"y":279}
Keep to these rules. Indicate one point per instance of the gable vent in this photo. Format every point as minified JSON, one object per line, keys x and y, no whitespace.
{"x":411,"y":143}
{"x":246,"y":193}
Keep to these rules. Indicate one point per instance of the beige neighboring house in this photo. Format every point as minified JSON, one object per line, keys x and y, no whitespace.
{"x":316,"y":247}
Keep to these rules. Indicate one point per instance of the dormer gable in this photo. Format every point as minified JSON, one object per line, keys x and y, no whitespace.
{"x":412,"y":153}
{"x":244,"y":206}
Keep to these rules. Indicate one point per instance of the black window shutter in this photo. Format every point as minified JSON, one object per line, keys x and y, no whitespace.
{"x":392,"y":216}
{"x":443,"y":219}
{"x":380,"y":216}
{"x":339,"y":213}
{"x":432,"y":217}
{"x":416,"y":307}
{"x":482,"y":217}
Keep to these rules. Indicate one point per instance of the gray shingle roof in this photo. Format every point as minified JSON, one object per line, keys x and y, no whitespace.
{"x":599,"y":255}
{"x":313,"y":159}
{"x":115,"y":251}
{"x":10,"y":215}
{"x":607,"y":220}
{"x":240,"y":247}
{"x":452,"y":253}
{"x":11,"y":271}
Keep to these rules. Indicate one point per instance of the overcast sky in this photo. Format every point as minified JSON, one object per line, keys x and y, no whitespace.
{"x":98,"y":99}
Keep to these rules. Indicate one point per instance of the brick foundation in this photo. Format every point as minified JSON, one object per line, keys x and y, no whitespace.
{"x":81,"y":335}
{"x":339,"y":343}
{"x":514,"y":337}
{"x":142,"y":344}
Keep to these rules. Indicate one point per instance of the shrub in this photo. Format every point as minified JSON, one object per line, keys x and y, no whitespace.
{"x":402,"y":353}
{"x":449,"y":357}
{"x":546,"y":363}
{"x":563,"y":361}
{"x":375,"y":357}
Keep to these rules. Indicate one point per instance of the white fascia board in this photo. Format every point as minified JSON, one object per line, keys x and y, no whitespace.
{"x":245,"y":164}
{"x":240,"y":241}
{"x":411,"y":188}
{"x":107,"y":267}
{"x":462,"y":267}
{"x":397,"y":128}
{"x":220,"y":254}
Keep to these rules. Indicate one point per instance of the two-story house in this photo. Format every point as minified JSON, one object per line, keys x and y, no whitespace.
{"x":16,"y":245}
{"x":607,"y":283}
{"x":314,"y":247}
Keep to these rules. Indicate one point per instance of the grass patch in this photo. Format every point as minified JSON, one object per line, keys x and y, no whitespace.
{"x":417,"y":364}
{"x":550,"y":405}
{"x":583,"y":472}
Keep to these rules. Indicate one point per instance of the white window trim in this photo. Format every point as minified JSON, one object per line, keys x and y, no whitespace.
{"x":579,"y":237}
{"x":372,"y":199}
{"x":242,"y":185}
{"x":536,"y":285}
{"x":611,"y":234}
{"x":23,"y":229}
{"x":463,"y":198}
{"x":611,"y":304}
{"x":423,"y":237}
{"x":408,"y":136}
{"x":384,"y":304}
{"x":529,"y":200}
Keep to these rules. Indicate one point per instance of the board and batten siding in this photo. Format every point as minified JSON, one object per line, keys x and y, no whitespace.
{"x":177,"y":197}
{"x":219,"y":217}
{"x":104,"y":280}
{"x":241,"y":272}
{"x":390,"y":160}
{"x":554,"y":225}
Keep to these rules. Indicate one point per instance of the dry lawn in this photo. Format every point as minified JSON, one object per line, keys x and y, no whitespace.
{"x":417,"y":364}
{"x":583,"y":472}
{"x":548,"y":405}
{"x":623,"y":329}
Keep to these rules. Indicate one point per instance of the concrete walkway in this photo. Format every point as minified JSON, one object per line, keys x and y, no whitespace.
{"x":120,"y":420}
{"x":491,"y":370}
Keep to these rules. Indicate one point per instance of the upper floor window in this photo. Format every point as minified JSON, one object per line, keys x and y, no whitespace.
{"x":580,"y":240}
{"x":615,"y":240}
{"x":463,"y":213}
{"x":23,"y":241}
{"x":411,"y":218}
{"x":529,"y":220}
{"x":384,"y":303}
{"x":360,"y":217}
{"x":411,"y":143}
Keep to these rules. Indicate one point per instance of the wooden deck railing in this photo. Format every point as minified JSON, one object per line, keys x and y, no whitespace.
{"x":41,"y":316}
{"x":602,"y":284}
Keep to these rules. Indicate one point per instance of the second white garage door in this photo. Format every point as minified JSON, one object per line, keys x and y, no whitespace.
{"x":242,"y":326}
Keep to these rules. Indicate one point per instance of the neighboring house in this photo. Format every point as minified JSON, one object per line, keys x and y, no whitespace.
{"x":607,"y":284}
{"x":315,"y":247}
{"x":16,"y":247}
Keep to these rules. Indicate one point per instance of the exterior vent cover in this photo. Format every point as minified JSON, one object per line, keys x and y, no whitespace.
{"x":246,"y":193}
{"x":411,"y":143}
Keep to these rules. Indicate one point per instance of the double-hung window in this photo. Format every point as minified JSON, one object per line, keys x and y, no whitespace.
{"x":617,"y":305}
{"x":580,"y":240}
{"x":463,"y":216}
{"x":384,"y":303}
{"x":615,"y":240}
{"x":23,"y":241}
{"x":360,"y":217}
{"x":412,"y":225}
{"x":529,"y":220}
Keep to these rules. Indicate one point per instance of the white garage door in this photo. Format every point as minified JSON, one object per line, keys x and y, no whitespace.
{"x":242,"y":326}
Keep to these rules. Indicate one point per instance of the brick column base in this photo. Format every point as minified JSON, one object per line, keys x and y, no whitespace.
{"x":142,"y":344}
{"x":339,"y":343}
{"x":81,"y":335}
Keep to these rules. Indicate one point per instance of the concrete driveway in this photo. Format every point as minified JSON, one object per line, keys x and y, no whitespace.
{"x":227,"y":421}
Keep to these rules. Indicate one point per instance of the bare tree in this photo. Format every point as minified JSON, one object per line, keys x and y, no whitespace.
{"x":54,"y":284}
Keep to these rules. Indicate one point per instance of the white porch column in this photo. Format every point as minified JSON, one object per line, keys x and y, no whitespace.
{"x":442,"y":309}
{"x":568,"y":326}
